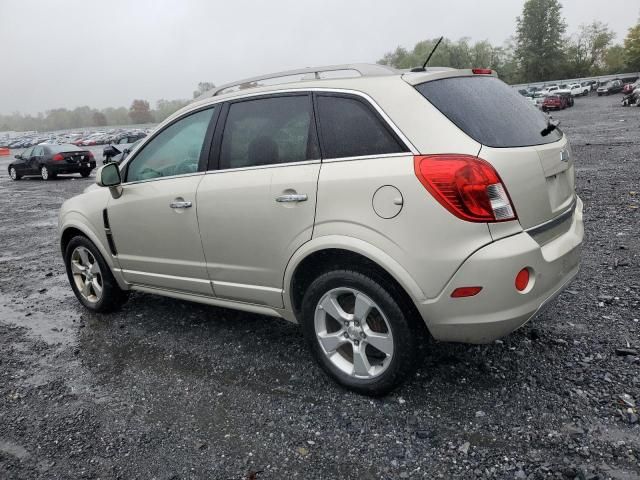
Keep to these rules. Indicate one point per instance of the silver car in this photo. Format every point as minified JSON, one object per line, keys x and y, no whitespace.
{"x":371,"y":206}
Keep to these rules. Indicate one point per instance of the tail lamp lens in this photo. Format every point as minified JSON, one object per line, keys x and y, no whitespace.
{"x":57,"y":157}
{"x":467,"y":186}
{"x":482,"y":71}
{"x":522,"y":279}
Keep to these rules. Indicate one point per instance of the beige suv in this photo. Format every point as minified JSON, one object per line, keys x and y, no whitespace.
{"x":371,"y":206}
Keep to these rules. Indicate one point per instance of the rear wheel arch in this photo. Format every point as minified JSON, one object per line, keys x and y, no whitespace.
{"x":325,"y":260}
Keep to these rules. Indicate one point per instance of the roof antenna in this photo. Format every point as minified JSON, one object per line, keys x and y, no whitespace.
{"x":424,"y":66}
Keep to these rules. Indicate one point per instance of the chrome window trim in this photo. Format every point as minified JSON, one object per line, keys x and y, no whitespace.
{"x":549,"y":224}
{"x":367,"y":157}
{"x":168,"y":177}
{"x":260,"y":167}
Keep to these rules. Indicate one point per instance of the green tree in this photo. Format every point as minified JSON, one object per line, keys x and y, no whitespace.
{"x":586,"y":50}
{"x":539,"y":43}
{"x":99,"y":119}
{"x":139,"y":112}
{"x":614,"y":61}
{"x":202,"y":88}
{"x":632,"y":48}
{"x":455,"y":54}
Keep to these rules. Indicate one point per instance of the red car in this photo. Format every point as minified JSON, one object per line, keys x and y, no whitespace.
{"x":629,"y":87}
{"x":554,"y":102}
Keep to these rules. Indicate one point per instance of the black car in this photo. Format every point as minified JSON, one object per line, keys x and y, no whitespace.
{"x":113,"y":154}
{"x":613,"y":86}
{"x":47,"y":161}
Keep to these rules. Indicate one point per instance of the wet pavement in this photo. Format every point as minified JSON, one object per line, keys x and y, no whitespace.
{"x":173,"y":390}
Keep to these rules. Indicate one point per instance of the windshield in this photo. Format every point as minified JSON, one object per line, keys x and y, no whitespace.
{"x":489,"y":111}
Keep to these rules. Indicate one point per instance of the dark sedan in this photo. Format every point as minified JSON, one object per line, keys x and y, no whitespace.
{"x":47,"y":161}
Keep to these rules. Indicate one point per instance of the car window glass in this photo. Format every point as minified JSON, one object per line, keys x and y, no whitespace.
{"x":267,"y":131}
{"x":27,"y":153}
{"x":174,"y":151}
{"x":351,"y":129}
{"x":37,"y":151}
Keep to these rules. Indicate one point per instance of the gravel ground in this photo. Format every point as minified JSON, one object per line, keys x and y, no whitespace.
{"x":172,"y":390}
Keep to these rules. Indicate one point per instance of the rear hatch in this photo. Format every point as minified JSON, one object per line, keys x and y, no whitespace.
{"x":536,"y":169}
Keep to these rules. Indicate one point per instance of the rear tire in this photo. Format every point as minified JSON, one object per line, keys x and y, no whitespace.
{"x":85,"y":173}
{"x":373,"y":346}
{"x":13,"y":173}
{"x":91,"y":278}
{"x":46,"y":173}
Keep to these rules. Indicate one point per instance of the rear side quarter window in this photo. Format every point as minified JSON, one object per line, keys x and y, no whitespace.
{"x":351,"y":128}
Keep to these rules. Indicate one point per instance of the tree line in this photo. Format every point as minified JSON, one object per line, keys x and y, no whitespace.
{"x":540,"y":49}
{"x":140,"y":112}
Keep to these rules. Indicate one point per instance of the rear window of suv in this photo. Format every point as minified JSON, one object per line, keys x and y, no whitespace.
{"x":489,"y":111}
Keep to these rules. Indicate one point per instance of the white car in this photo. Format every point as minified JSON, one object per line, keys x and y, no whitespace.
{"x":574,"y":89}
{"x":371,"y":210}
{"x":549,"y":90}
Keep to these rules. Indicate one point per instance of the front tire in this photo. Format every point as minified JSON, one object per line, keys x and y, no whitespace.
{"x":13,"y":173}
{"x":91,"y":278}
{"x":358,"y":332}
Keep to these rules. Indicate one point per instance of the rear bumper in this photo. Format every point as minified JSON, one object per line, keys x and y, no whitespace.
{"x":499,"y":308}
{"x":71,"y":168}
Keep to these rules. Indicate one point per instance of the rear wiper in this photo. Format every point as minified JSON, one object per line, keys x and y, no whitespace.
{"x":551,"y":126}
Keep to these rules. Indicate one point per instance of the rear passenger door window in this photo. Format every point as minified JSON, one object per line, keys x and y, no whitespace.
{"x":350,"y":127}
{"x":268,"y":131}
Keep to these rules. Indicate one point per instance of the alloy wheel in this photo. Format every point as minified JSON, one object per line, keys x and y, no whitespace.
{"x":86,"y":274}
{"x":44,"y":172}
{"x":353,"y":333}
{"x":13,"y":174}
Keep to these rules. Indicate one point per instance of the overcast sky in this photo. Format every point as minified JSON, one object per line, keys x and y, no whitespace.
{"x":66,"y":53}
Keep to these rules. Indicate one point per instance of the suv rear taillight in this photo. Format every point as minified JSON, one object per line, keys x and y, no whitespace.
{"x":57,"y":157}
{"x":467,"y":186}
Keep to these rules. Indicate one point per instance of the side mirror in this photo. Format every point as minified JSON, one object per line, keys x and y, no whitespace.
{"x":109,"y":176}
{"x":18,"y":156}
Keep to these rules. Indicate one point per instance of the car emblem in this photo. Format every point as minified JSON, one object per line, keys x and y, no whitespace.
{"x":564,"y":156}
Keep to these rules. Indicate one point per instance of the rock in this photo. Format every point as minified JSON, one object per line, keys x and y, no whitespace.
{"x":627,"y":400}
{"x":422,"y":434}
{"x":560,"y":341}
{"x":623,"y":352}
{"x":50,"y":274}
{"x":480,"y":414}
{"x":520,"y":474}
{"x":303,"y":452}
{"x":605,"y":298}
{"x":42,"y":290}
{"x":573,"y":430}
{"x":464,"y":448}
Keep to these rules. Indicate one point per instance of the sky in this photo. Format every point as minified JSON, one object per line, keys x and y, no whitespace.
{"x":102,"y":53}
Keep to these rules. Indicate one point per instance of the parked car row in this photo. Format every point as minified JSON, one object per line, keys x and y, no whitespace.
{"x":87,"y":138}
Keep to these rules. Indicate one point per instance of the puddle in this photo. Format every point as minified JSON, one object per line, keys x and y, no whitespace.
{"x":13,"y":449}
{"x":56,"y":327}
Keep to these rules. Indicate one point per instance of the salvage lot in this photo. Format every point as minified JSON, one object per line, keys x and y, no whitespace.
{"x":169,"y":389}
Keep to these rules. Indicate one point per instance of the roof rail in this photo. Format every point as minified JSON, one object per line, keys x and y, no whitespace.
{"x":363,"y":69}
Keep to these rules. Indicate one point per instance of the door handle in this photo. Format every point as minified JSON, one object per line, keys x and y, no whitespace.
{"x":180,"y":204}
{"x":292,"y":197}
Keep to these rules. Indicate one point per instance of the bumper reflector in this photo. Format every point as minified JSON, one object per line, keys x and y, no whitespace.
{"x":465,"y":292}
{"x":522,"y":279}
